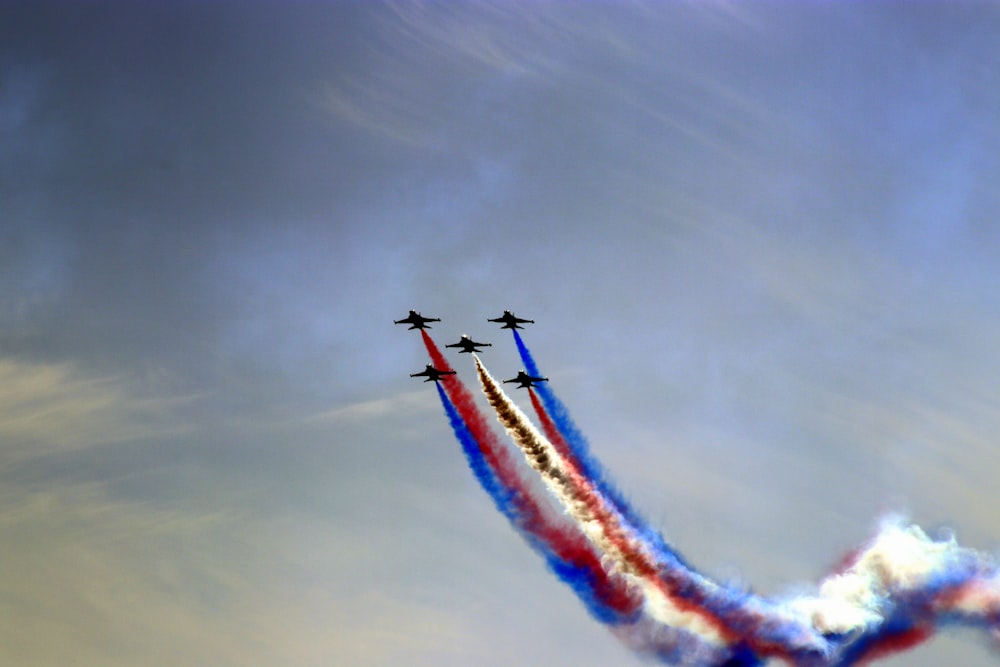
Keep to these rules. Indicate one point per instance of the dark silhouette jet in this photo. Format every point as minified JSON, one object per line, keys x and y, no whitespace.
{"x":525,"y":380}
{"x":510,"y":321}
{"x":416,"y":320}
{"x":469,"y":345}
{"x":431,"y":373}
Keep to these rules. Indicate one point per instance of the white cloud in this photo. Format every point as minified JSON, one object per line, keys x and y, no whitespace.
{"x":47,"y":407}
{"x":412,"y":402}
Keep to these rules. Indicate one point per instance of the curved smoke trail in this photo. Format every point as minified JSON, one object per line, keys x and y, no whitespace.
{"x":761,"y":624}
{"x":607,"y":595}
{"x":579,"y":453}
{"x":899,"y":589}
{"x":893,"y":595}
{"x":676,"y":594}
{"x":671,"y":597}
{"x":895,"y":592}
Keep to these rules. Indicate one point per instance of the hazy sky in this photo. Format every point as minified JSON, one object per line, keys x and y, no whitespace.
{"x":760,"y":241}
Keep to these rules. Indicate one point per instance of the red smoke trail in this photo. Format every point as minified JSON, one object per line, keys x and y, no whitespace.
{"x":611,"y":521}
{"x":896,"y":643}
{"x":552,"y":433}
{"x":565,"y":540}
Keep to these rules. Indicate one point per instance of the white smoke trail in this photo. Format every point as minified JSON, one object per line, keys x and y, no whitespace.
{"x":601,"y":524}
{"x":899,"y":563}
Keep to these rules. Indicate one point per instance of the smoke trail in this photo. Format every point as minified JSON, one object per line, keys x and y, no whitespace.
{"x":894,"y":593}
{"x":667,"y":596}
{"x":551,"y":432}
{"x":670,"y":622}
{"x":763,"y":625}
{"x":893,"y":596}
{"x":505,"y":499}
{"x":899,"y":590}
{"x":607,"y":595}
{"x":570,"y":562}
{"x":580,"y":455}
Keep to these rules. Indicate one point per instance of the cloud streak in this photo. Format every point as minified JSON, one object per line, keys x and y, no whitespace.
{"x":47,"y":408}
{"x":888,"y":596}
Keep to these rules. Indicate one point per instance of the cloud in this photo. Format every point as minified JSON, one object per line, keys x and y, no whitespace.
{"x":93,"y":580}
{"x":100,"y":581}
{"x":408,"y":404}
{"x":394,"y":630}
{"x":50,"y":407}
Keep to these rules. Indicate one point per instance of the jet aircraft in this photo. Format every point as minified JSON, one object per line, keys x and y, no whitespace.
{"x":431,"y":373}
{"x":510,"y":321}
{"x":469,"y":345}
{"x":525,"y":380}
{"x":416,"y":320}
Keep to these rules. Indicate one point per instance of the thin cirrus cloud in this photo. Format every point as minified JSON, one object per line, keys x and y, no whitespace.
{"x":52,"y":407}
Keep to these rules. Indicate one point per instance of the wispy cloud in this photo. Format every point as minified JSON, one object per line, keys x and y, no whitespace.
{"x":401,"y":405}
{"x":48,"y":407}
{"x":93,"y":579}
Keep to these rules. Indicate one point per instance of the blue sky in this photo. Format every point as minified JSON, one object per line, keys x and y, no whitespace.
{"x":759,"y":242}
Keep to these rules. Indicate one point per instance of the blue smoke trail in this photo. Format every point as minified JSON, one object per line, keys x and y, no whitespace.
{"x":591,"y":467}
{"x":502,"y":497}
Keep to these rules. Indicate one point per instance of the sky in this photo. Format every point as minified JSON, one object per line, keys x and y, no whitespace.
{"x":758,"y":240}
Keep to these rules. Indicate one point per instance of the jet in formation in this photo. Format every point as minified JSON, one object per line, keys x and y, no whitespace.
{"x":510,"y":321}
{"x":431,"y":373}
{"x":524,"y":380}
{"x":416,"y":320}
{"x":469,"y":345}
